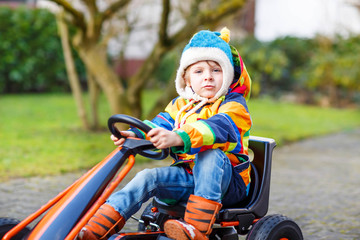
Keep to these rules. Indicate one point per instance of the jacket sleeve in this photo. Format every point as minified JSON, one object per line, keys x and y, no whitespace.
{"x":163,"y":120}
{"x":227,"y":130}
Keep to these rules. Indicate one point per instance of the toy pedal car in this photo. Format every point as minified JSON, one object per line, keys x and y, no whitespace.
{"x":68,"y":212}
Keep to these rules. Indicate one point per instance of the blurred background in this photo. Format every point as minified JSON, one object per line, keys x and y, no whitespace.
{"x":66,"y":66}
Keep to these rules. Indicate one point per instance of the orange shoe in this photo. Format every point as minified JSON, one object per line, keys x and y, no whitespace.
{"x":180,"y":230}
{"x":199,"y":218}
{"x":104,"y":223}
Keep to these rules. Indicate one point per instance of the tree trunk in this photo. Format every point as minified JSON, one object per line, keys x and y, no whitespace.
{"x":137,"y":82}
{"x":71,"y":71}
{"x":164,"y":99}
{"x":91,"y":44}
{"x":95,"y":59}
{"x":94,"y":92}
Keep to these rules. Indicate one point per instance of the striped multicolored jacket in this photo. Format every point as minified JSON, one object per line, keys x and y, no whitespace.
{"x":223,"y":124}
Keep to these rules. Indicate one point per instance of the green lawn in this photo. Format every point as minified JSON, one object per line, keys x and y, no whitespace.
{"x":41,"y":134}
{"x":287,"y":122}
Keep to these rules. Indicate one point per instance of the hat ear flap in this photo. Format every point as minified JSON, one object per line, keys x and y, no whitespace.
{"x":236,"y":62}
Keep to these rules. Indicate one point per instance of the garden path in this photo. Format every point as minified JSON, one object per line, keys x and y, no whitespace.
{"x":314,"y":181}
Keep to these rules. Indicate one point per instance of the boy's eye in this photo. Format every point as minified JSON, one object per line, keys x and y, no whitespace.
{"x":217,"y":69}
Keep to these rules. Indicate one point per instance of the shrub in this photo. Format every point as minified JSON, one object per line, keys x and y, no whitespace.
{"x":320,"y":68}
{"x":333,"y":70}
{"x":31,"y":54}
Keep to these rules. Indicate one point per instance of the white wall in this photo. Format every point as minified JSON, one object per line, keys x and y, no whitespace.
{"x":305,"y":18}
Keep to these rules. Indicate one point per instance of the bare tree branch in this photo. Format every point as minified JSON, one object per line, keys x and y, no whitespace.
{"x":93,"y":30}
{"x":91,"y":5}
{"x":71,"y":69}
{"x":195,"y":7}
{"x":94,"y":24}
{"x":206,"y":17}
{"x":224,"y":9}
{"x":212,"y":16}
{"x":78,"y":17}
{"x":163,"y":26}
{"x":113,"y":8}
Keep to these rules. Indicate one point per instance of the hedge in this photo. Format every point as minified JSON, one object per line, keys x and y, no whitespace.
{"x":31,"y":58}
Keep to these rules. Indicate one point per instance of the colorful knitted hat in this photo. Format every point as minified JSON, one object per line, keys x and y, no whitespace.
{"x":206,"y":45}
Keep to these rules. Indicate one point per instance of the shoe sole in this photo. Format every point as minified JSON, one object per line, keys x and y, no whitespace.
{"x":174,"y":231}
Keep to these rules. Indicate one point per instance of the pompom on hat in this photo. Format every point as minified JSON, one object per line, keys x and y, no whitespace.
{"x":206,"y":46}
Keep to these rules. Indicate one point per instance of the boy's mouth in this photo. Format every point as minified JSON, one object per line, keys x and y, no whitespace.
{"x":208,"y":86}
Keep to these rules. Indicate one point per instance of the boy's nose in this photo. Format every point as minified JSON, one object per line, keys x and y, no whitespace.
{"x":208,"y":76}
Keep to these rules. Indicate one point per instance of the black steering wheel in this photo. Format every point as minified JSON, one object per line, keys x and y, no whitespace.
{"x":143,"y":146}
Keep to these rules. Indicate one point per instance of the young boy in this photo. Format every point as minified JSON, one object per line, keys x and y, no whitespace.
{"x":207,"y":128}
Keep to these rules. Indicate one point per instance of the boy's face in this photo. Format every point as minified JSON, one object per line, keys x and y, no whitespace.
{"x":205,"y":78}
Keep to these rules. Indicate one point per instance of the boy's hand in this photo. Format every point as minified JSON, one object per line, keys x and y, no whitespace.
{"x":162,"y":138}
{"x":120,"y":142}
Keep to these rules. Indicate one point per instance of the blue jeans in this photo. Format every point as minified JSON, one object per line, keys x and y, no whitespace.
{"x":210,"y":179}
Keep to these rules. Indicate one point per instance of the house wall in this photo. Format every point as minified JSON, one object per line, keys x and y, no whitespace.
{"x":305,"y":18}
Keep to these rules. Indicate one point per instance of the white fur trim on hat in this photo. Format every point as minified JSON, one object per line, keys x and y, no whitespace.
{"x":195,"y":54}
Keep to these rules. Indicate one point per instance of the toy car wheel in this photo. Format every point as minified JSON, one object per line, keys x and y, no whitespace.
{"x":8,"y":223}
{"x":275,"y":227}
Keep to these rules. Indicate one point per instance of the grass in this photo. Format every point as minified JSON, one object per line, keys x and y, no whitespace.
{"x":42,"y":135}
{"x":288,"y":122}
